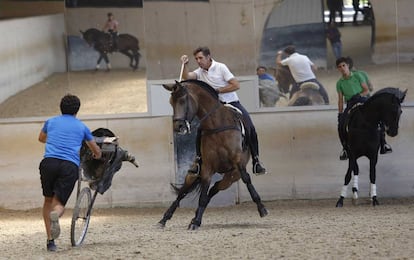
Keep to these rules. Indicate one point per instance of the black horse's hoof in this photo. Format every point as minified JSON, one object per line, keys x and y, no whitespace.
{"x":340,"y":203}
{"x":263,"y":212}
{"x":375,"y":201}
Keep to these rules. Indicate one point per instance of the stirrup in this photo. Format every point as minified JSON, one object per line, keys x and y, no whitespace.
{"x":196,"y":167}
{"x":386,"y":148}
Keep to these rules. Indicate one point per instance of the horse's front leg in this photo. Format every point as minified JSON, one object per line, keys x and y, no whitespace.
{"x":348,"y":176}
{"x":188,"y":186}
{"x":355,"y":186}
{"x":372,"y":178}
{"x":202,"y":204}
{"x":253,"y":193}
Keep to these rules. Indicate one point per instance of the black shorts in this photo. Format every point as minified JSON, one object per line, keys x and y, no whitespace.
{"x":58,"y":177}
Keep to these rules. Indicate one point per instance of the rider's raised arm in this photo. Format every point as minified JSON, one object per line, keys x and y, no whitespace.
{"x":186,"y":74}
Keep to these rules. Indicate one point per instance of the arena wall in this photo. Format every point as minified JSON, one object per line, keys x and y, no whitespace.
{"x":299,"y":148}
{"x":34,"y":49}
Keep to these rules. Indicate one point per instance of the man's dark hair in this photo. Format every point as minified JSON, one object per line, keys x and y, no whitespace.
{"x":204,"y":50}
{"x":350,"y":62}
{"x":69,"y":105}
{"x":342,"y":59}
{"x":110,"y":14}
{"x":289,"y":50}
{"x":261,"y":67}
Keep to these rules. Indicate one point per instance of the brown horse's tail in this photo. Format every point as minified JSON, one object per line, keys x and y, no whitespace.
{"x":190,"y":184}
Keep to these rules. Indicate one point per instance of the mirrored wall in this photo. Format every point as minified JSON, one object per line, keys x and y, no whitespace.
{"x":110,"y":73}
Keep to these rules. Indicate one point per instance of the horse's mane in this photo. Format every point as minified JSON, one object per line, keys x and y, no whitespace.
{"x":384,"y":91}
{"x":204,"y":85}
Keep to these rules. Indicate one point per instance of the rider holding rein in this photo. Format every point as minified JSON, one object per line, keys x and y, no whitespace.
{"x":218,"y":76}
{"x":111,"y":26}
{"x":353,"y":88}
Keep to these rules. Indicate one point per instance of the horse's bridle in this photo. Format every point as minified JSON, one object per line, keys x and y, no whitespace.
{"x":186,"y":120}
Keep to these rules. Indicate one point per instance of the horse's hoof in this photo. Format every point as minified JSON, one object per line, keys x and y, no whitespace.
{"x":263,"y":212}
{"x":160,"y":225}
{"x":339,"y":204}
{"x":193,"y":227}
{"x":375,"y":201}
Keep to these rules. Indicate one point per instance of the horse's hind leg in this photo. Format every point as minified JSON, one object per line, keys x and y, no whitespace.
{"x":348,"y":176}
{"x":372,"y":178}
{"x":253,"y":193}
{"x":182,"y":192}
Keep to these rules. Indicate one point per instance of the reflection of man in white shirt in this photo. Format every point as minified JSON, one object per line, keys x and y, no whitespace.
{"x":302,"y":69}
{"x":218,"y":76}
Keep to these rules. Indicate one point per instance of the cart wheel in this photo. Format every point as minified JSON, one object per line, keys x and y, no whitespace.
{"x":81,"y":217}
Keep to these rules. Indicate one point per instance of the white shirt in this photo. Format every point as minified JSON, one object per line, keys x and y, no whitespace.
{"x":300,"y":66}
{"x":218,"y":76}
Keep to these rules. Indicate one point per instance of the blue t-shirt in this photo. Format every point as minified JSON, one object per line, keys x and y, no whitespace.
{"x":266,"y":76}
{"x":65,"y":134}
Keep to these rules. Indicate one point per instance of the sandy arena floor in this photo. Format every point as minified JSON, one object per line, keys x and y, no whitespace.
{"x":312,"y":229}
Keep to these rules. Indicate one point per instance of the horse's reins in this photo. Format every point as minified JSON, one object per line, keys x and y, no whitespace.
{"x":207,"y":115}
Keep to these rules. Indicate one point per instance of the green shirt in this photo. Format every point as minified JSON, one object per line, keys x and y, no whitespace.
{"x":350,"y":86}
{"x":364,"y":75}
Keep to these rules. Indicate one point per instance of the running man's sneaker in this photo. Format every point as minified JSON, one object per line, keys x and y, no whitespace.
{"x":50,"y":245}
{"x":54,"y":225}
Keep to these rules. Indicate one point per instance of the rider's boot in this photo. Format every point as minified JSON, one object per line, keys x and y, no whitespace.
{"x":344,"y":155}
{"x":385,"y":148}
{"x":258,"y":168}
{"x":196,"y":166}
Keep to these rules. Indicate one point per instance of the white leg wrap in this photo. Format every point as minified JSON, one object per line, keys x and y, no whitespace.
{"x":109,"y":66}
{"x":373,"y":190}
{"x":355,"y":195}
{"x":97,"y":66}
{"x":344,"y":190}
{"x":356,"y":180}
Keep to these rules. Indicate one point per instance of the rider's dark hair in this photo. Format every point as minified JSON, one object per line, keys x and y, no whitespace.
{"x":261,"y":67}
{"x":110,"y":14}
{"x":69,"y":105}
{"x":342,"y":59}
{"x":205,"y":50}
{"x":289,"y":50}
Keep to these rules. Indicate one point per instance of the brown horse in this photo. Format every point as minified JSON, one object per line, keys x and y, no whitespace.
{"x":223,"y":148}
{"x":308,"y":94}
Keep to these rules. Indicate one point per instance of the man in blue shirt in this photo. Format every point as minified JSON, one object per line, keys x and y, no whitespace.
{"x":59,"y":169}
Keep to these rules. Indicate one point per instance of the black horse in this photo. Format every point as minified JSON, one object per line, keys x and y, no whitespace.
{"x":104,"y":43}
{"x":363,"y":135}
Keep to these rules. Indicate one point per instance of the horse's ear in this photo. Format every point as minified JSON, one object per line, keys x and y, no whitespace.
{"x":403,"y":96}
{"x":169,"y":87}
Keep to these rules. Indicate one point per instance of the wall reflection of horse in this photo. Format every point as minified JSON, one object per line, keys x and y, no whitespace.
{"x":223,"y":147}
{"x":103,"y":43}
{"x":309,"y":93}
{"x":269,"y":93}
{"x":364,"y":136}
